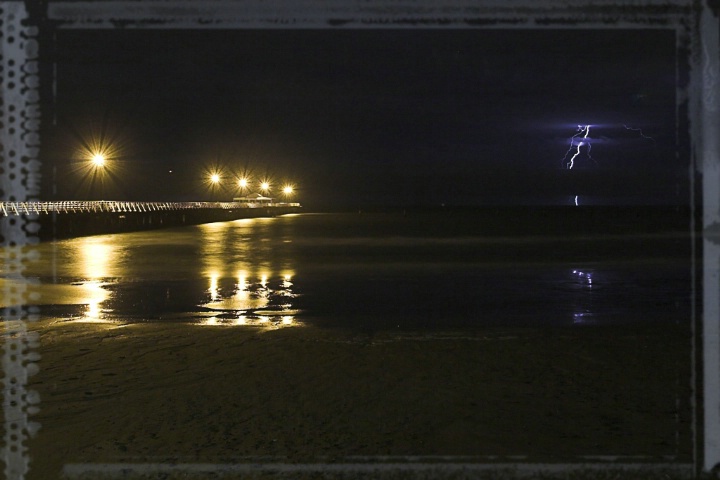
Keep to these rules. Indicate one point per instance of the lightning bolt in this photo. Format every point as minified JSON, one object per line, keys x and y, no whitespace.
{"x":639,"y":130}
{"x":580,"y":139}
{"x":583,"y":130}
{"x":572,"y":159}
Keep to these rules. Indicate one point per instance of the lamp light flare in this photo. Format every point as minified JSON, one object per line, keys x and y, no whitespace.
{"x":98,"y":160}
{"x":265,"y":186}
{"x":288,"y":189}
{"x":243,"y":183}
{"x":215,"y":178}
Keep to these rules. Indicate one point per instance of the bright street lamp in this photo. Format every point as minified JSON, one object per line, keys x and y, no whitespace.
{"x":98,"y":160}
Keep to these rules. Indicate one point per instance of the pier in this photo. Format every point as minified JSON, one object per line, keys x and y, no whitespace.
{"x":67,"y":219}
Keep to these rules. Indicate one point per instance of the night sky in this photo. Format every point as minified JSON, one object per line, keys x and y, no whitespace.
{"x":370,"y":117}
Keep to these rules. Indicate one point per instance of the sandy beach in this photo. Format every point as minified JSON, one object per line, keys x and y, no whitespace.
{"x":138,"y":393}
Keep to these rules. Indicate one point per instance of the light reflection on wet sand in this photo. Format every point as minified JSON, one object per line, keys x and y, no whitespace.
{"x":99,"y":279}
{"x":254,"y":302}
{"x":97,"y":260}
{"x":253,"y":299}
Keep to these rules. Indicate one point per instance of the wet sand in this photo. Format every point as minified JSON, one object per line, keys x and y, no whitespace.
{"x":150,"y":392}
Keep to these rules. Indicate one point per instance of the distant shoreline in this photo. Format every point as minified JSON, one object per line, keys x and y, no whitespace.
{"x":517,"y":219}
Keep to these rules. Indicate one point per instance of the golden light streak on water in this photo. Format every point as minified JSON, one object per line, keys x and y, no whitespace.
{"x":96,"y":257}
{"x":213,"y":288}
{"x":242,"y":294}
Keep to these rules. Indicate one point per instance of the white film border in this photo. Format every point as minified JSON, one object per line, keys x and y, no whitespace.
{"x":19,"y":136}
{"x":19,"y":181}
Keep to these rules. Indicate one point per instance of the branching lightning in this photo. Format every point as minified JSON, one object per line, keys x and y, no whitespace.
{"x":581,"y":139}
{"x":639,"y":130}
{"x":583,"y":130}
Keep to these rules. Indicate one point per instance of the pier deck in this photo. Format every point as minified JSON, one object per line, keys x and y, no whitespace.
{"x":20,"y":208}
{"x":67,"y":219}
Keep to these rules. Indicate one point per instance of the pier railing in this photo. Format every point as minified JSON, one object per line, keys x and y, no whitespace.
{"x":27,"y":208}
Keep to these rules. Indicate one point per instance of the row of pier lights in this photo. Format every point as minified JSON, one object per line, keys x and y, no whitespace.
{"x":263,"y":185}
{"x":99,"y":161}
